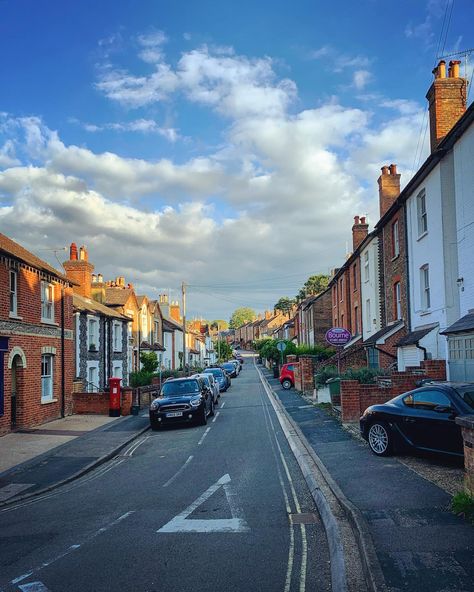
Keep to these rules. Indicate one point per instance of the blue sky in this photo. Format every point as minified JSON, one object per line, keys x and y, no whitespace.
{"x":225,"y":144}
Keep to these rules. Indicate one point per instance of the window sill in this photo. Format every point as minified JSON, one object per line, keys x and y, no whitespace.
{"x":15,"y":317}
{"x":49,"y":322}
{"x":49,"y":401}
{"x":422,"y":236}
{"x":117,"y":351}
{"x":424,"y":313}
{"x":395,"y":257}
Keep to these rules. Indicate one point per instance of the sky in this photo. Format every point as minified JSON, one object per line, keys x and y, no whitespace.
{"x":223,"y":144}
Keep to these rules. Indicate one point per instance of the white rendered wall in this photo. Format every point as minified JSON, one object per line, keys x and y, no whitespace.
{"x":370,"y":289}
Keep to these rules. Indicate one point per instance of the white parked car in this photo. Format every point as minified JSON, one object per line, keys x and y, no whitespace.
{"x":210,"y":380}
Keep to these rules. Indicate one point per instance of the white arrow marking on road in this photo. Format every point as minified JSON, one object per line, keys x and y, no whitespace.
{"x":181,"y":522}
{"x":34,"y":587}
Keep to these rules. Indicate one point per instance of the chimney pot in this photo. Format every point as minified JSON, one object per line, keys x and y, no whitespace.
{"x":100,"y":278}
{"x":362,"y":220}
{"x":356,"y":219}
{"x":454,"y":68}
{"x":73,"y":252}
{"x":385,"y":170}
{"x":393,"y":169}
{"x":83,"y":253}
{"x":94,"y":278}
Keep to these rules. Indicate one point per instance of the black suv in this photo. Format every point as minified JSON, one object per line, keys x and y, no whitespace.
{"x":182,"y":400}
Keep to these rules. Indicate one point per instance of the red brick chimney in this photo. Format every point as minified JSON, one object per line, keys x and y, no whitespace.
{"x":175,"y":313}
{"x":268,"y":314}
{"x":79,"y":270}
{"x":389,"y":187}
{"x":447,"y":101}
{"x":359,"y":231}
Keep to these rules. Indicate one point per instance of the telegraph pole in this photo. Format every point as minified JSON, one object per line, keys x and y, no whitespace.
{"x":183,"y":292}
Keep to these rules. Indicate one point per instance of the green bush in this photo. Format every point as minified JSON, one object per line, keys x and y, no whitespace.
{"x":149,"y":361}
{"x":319,"y":351}
{"x":168,"y":374}
{"x":324,"y":374}
{"x":141,"y":378}
{"x":463,"y":504}
{"x":362,"y":375}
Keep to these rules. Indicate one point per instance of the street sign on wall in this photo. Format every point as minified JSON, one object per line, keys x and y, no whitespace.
{"x":338,"y":336}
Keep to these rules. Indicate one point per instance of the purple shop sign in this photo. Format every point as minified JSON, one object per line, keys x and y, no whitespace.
{"x":338,"y":336}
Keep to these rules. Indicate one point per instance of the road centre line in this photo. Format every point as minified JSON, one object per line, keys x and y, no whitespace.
{"x":34,"y":587}
{"x":72,"y":548}
{"x":217,"y":415}
{"x":178,"y":473}
{"x":304,"y":545}
{"x":291,"y":548}
{"x":203,"y":436}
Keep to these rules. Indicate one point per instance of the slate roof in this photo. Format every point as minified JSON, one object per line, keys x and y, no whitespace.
{"x":92,"y":306}
{"x":10,"y":247}
{"x":154,"y":347}
{"x":372,"y":340}
{"x":414,"y":337}
{"x":169,"y":325}
{"x":117,"y":296}
{"x":465,"y":323}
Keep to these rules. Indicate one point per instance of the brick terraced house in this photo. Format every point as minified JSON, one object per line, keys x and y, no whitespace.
{"x":36,"y":339}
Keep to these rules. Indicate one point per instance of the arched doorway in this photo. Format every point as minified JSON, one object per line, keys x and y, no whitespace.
{"x":16,"y":364}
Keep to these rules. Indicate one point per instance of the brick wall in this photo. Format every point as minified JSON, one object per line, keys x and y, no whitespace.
{"x":91,"y":403}
{"x":356,"y":397}
{"x":322,"y":317}
{"x":394,"y":269}
{"x":467,"y":428}
{"x":32,"y":338}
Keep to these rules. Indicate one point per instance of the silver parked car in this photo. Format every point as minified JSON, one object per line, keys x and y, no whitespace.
{"x":210,"y":380}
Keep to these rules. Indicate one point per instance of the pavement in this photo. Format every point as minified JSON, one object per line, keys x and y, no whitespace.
{"x":419,"y":544}
{"x":40,"y":459}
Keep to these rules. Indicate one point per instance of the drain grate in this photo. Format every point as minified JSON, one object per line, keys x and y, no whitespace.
{"x":302,"y":518}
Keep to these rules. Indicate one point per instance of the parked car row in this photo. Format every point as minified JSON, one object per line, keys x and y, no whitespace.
{"x":192,"y":399}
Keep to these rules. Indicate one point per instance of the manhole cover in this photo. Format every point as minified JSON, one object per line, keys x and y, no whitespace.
{"x":302,"y":518}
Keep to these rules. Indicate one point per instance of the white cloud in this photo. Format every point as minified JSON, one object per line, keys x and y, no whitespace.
{"x":361,"y":79}
{"x":146,"y":126}
{"x":283,"y":186}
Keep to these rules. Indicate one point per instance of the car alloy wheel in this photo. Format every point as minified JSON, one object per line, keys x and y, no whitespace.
{"x":211,"y":412}
{"x":286,"y":384}
{"x":379,"y":439}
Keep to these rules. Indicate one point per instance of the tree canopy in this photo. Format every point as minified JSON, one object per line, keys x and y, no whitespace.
{"x":284,"y":305}
{"x":219,"y":324}
{"x":313,"y":285}
{"x":240,"y":316}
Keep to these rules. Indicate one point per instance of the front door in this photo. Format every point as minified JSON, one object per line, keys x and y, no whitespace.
{"x":14,"y":391}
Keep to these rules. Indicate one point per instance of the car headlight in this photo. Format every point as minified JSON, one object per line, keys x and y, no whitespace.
{"x":155,"y":405}
{"x":195,"y":402}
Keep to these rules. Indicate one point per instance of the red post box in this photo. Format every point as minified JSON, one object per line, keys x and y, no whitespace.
{"x":114,"y":397}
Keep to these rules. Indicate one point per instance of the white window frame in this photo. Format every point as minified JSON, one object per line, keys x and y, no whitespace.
{"x":117,"y":336}
{"x":117,"y":369}
{"x":47,"y":302}
{"x":13,"y":292}
{"x":421,"y":214}
{"x":156,"y":331}
{"x":425,"y":287}
{"x":395,"y":239}
{"x":47,"y":377}
{"x":93,"y":381}
{"x":397,"y":292}
{"x":366,"y":267}
{"x":368,"y":314}
{"x":92,"y":333}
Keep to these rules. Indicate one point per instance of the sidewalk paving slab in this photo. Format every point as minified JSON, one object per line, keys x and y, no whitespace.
{"x":419,"y":543}
{"x":69,"y":460}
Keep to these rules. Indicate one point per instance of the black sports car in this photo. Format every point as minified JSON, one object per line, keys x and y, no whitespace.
{"x":423,"y":419}
{"x":182,"y":400}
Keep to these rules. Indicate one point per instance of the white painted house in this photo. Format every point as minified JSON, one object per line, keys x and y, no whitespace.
{"x":370,"y":287}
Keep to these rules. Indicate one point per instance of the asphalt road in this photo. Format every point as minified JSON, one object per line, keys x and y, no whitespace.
{"x":218,"y":507}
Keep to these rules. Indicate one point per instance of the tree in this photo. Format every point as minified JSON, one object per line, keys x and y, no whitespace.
{"x":315,"y":284}
{"x":219,"y":324}
{"x":223,"y":350}
{"x":149,"y":361}
{"x":284,"y":305}
{"x":240,"y":316}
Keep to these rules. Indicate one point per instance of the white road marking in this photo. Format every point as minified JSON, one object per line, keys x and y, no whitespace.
{"x":304,"y":544}
{"x":222,"y":406}
{"x":217,"y":415}
{"x":13,"y":489}
{"x":203,"y":436}
{"x":34,"y":587}
{"x":181,"y":522}
{"x":178,"y":473}
{"x":69,"y":550}
{"x":134,"y":446}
